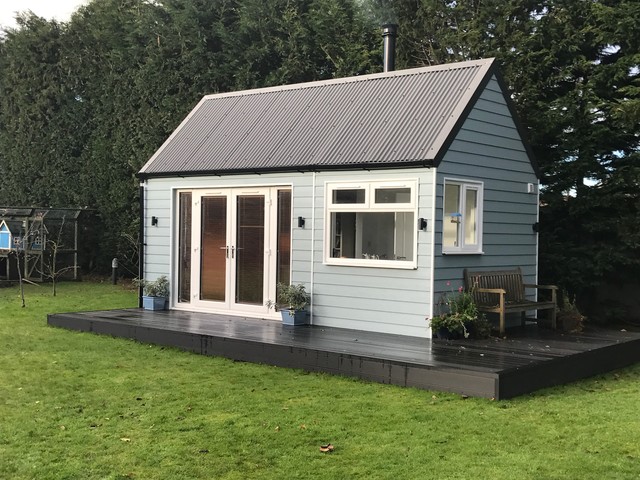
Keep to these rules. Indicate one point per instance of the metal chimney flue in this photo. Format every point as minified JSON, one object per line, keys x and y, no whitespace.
{"x":389,"y":34}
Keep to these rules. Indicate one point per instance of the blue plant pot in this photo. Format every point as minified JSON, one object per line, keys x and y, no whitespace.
{"x":294,"y":317}
{"x":446,"y":334}
{"x":153,"y":303}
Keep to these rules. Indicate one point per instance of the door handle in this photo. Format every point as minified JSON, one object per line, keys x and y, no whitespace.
{"x":226,"y":250}
{"x":232,"y":251}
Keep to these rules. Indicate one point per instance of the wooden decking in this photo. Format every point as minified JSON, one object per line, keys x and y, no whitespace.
{"x":527,"y":360}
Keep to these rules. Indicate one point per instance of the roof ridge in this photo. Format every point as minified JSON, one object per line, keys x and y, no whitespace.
{"x":486,"y":62}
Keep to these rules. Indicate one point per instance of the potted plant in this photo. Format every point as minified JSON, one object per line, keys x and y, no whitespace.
{"x":450,"y":326}
{"x":569,"y":319}
{"x":459,"y":317}
{"x":291,"y":301}
{"x":154,"y":292}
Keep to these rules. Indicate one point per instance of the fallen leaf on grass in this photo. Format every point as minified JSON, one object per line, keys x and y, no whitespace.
{"x":327,"y":448}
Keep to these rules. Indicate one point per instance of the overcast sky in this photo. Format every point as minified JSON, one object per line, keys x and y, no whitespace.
{"x":58,"y":9}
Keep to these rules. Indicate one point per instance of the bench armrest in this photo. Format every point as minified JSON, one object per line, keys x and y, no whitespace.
{"x":541,"y":287}
{"x":501,"y":292}
{"x":553,"y":288}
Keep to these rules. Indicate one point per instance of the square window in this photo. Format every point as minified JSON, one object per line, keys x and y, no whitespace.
{"x":379,"y":232}
{"x":372,"y":235}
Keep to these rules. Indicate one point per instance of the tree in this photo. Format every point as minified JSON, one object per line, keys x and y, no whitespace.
{"x":53,"y":246}
{"x":85,"y":103}
{"x":573,"y":67}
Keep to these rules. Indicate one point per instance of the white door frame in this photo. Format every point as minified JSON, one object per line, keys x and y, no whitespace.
{"x":229,"y":305}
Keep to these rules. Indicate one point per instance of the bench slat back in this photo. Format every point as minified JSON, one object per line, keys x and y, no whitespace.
{"x":509,"y":280}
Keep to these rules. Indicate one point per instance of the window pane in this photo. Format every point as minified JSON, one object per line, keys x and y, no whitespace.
{"x":184,"y":248}
{"x":373,"y":235}
{"x":451,"y":221}
{"x":349,"y":196}
{"x":471,"y":217}
{"x":404,"y":241}
{"x":393,"y":195}
{"x":343,"y":234}
{"x":376,"y":240}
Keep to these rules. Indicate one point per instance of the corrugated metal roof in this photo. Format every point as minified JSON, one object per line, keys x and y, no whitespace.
{"x":395,"y":118}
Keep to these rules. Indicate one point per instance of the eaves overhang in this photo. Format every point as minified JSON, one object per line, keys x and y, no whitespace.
{"x":289,"y":169}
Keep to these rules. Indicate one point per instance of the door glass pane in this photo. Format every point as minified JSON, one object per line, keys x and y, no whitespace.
{"x":249,"y":250}
{"x":184,"y":247}
{"x":471,"y":217}
{"x":283,"y":271}
{"x":213,"y":252}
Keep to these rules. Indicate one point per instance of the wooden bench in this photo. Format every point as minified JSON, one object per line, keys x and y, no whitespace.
{"x":503,"y":292}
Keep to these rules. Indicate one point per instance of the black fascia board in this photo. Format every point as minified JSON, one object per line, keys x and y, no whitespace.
{"x":494,"y":70}
{"x":300,"y":169}
{"x":465,"y":113}
{"x":522,"y":131}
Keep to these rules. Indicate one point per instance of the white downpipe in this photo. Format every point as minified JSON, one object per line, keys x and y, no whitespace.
{"x":143,"y":219}
{"x":313,"y":243}
{"x":537,"y":234}
{"x":432,"y":254}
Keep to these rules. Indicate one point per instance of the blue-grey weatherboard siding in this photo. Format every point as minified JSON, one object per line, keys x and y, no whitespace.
{"x":489,"y":149}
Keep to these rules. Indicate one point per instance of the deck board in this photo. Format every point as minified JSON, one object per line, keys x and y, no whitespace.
{"x":528,"y":359}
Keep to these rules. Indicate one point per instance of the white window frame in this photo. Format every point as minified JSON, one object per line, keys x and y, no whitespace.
{"x":465,"y":185}
{"x":370,"y":206}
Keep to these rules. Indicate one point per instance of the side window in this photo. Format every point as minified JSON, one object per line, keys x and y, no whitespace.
{"x":372,"y":224}
{"x":462,"y":217}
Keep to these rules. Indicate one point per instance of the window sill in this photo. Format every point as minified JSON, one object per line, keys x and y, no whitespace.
{"x":461,"y":252}
{"x":396,"y":265}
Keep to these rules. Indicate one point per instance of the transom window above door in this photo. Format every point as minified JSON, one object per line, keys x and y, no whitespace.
{"x":371,"y":224}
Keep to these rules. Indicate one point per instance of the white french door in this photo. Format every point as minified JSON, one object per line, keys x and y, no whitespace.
{"x":236,"y":237}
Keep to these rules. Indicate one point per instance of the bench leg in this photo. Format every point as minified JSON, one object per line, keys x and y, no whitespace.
{"x":502,"y":314}
{"x":553,"y":318}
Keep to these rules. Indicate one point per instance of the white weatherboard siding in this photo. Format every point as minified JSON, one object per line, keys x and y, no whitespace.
{"x":386,"y":300}
{"x":488,"y":149}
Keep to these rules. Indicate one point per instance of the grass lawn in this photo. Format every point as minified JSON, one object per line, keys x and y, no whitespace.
{"x":81,"y":406}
